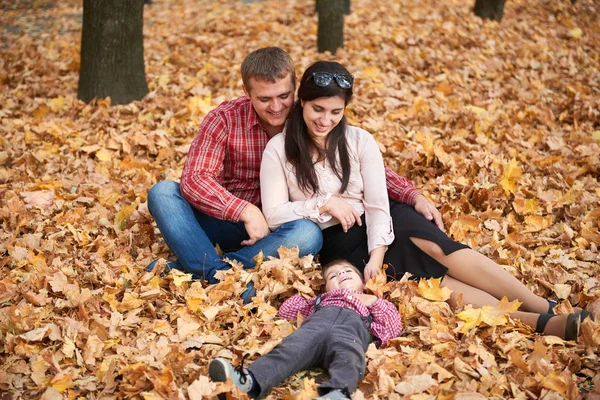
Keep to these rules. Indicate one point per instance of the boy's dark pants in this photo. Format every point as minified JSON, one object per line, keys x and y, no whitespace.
{"x":333,"y":338}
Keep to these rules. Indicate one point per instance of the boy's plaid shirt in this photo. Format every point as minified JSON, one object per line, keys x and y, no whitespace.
{"x":386,"y":325}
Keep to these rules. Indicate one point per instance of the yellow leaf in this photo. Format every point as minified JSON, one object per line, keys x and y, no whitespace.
{"x":445,"y":88}
{"x":555,"y":382}
{"x":426,"y":141}
{"x":200,"y":106}
{"x":195,"y":296}
{"x":104,"y":155}
{"x":63,"y":380}
{"x":179,"y":277}
{"x":490,"y":315}
{"x":430,"y":289}
{"x":259,"y":259}
{"x":122,"y":215}
{"x":163,"y":80}
{"x":472,"y":318}
{"x":480,"y":112}
{"x":308,"y":390}
{"x":510,"y":176}
{"x":442,"y":156}
{"x":57,"y":104}
{"x":596,"y":135}
{"x":576,"y":33}
{"x":371,"y":72}
{"x":108,"y":199}
{"x":536,"y":223}
{"x":130,"y":301}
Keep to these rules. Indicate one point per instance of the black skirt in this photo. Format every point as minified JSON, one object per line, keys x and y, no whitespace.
{"x":402,"y":255}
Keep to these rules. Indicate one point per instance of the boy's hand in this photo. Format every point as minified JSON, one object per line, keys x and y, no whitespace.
{"x":367,"y":299}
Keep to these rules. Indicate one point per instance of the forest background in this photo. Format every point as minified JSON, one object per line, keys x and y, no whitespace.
{"x":497,"y":123}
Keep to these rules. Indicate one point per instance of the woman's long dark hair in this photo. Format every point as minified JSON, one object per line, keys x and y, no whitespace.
{"x":300,"y":147}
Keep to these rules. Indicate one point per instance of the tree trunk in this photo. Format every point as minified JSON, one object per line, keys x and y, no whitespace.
{"x":346,"y":6}
{"x":112,"y":51}
{"x":489,"y":9}
{"x":330,"y":35}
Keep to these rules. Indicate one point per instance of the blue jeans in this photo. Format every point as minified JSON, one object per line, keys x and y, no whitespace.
{"x":192,"y":235}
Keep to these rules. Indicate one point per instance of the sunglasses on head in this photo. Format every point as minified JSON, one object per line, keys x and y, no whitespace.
{"x":323,"y":79}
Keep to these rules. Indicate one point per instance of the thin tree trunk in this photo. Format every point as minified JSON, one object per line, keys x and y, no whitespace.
{"x":489,"y":9}
{"x":112,"y":51}
{"x":331,"y":25}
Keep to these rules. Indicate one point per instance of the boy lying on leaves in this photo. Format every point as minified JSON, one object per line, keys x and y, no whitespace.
{"x":339,"y":325}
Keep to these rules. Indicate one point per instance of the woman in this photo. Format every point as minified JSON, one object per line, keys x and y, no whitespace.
{"x":333,"y":174}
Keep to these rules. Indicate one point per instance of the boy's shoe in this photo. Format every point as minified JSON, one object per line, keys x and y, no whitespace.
{"x":333,"y":395}
{"x":249,"y":293}
{"x":220,"y":370}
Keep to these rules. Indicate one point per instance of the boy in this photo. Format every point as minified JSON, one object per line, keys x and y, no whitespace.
{"x":335,"y":336}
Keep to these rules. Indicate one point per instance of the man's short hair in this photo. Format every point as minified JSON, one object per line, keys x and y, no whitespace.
{"x":267,"y":64}
{"x":338,"y":262}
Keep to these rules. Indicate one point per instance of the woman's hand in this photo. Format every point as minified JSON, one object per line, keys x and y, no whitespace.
{"x":343,"y":211}
{"x":371,"y":269}
{"x":428,"y":210}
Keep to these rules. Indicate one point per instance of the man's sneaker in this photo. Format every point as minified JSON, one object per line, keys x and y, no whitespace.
{"x":220,"y":370}
{"x":249,"y":293}
{"x":333,"y":395}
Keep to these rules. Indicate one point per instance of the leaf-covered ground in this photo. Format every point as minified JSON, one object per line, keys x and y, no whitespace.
{"x":499,"y":124}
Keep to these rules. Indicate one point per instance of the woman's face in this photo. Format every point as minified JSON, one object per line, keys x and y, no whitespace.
{"x":322,"y":115}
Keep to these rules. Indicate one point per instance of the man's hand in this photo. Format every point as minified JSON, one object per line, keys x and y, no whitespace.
{"x":428,"y":210}
{"x":342,"y":211}
{"x":255,"y":224}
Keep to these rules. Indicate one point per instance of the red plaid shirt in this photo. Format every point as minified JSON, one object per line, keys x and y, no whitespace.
{"x":222,"y":169}
{"x":386,"y":325}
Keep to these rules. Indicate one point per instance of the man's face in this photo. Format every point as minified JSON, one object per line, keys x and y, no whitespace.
{"x":343,"y":276}
{"x":272,"y":101}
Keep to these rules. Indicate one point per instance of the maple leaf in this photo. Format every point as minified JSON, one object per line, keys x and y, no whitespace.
{"x":536,"y":223}
{"x":415,"y":384}
{"x":510,"y":176}
{"x":201,"y":388}
{"x":121,"y":216}
{"x":431,"y":289}
{"x":200,"y":106}
{"x":57,"y":104}
{"x":489,"y":315}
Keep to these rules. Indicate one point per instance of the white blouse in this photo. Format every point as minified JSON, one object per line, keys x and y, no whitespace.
{"x":283,"y":200}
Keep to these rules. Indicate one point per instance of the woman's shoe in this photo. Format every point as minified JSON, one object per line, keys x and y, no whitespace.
{"x":553,"y":303}
{"x":571,"y":326}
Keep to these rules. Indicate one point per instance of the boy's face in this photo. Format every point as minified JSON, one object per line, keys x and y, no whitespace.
{"x":343,"y":276}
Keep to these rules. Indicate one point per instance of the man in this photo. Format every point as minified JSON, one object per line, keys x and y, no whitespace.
{"x":218,"y":199}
